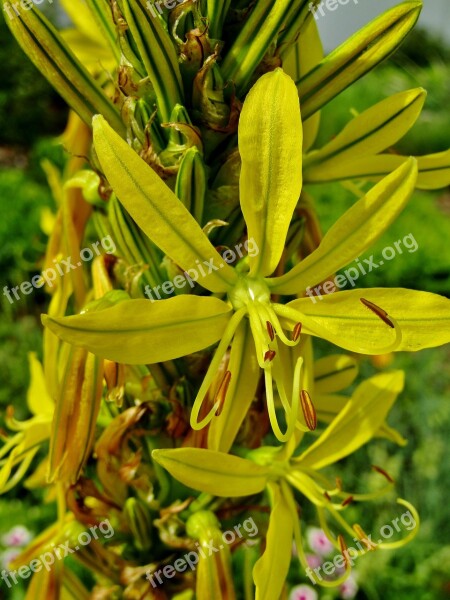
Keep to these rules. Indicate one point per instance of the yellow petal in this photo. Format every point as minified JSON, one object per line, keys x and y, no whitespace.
{"x":374,"y":130}
{"x":157,"y":211}
{"x":270,"y":571}
{"x":245,"y":373}
{"x":434,"y":169}
{"x":142,"y":332}
{"x":213,"y":472}
{"x":334,"y":373}
{"x":329,"y":405}
{"x":341,"y":318}
{"x":270,"y":144}
{"x":38,"y":399}
{"x":357,"y":423}
{"x":353,"y":233}
{"x":356,"y":56}
{"x":302,"y":58}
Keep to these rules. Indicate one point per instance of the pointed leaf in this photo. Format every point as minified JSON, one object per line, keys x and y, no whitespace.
{"x":141,"y":332}
{"x":353,"y":233}
{"x":270,"y":144}
{"x":157,"y":211}
{"x":213,"y":472}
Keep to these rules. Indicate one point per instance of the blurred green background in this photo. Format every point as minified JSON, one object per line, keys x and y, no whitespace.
{"x":31,"y":115}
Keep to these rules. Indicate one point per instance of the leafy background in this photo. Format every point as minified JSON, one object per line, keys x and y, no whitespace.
{"x":31,"y":114}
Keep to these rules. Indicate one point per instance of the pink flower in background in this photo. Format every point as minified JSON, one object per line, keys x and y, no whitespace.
{"x":303,"y":592}
{"x":16,"y":537}
{"x":318,"y":541}
{"x":313,"y":560}
{"x":349,"y":588}
{"x":7,"y":557}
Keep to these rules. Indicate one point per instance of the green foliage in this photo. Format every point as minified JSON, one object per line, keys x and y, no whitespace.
{"x":29,"y":108}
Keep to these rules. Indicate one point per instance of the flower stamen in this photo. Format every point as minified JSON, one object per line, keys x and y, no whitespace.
{"x":222,"y":393}
{"x":382,"y":314}
{"x":363,"y":537}
{"x":269,"y":355}
{"x":384,"y":473}
{"x":270,"y":330}
{"x":309,"y":412}
{"x":297,"y":331}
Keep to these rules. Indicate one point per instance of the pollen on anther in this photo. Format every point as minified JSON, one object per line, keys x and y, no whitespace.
{"x":309,"y":412}
{"x":347,"y":501}
{"x":222,"y":392}
{"x":381,"y":314}
{"x":270,"y":330}
{"x":383,"y":472}
{"x":297,"y":331}
{"x":269,"y":355}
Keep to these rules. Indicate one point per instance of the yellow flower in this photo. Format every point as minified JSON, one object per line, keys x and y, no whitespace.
{"x":270,"y":144}
{"x":280,"y":473}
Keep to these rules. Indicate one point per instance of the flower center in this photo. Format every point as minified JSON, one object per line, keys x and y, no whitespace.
{"x":249,"y":290}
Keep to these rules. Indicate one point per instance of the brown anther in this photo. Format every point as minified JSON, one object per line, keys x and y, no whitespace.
{"x":344,"y":550}
{"x":383,"y":472}
{"x":382,"y":314}
{"x":270,"y":330}
{"x":327,"y":496}
{"x":297,"y":331}
{"x":339,"y":483}
{"x":222,"y":392}
{"x":365,"y":539}
{"x":269,"y":355}
{"x":309,"y":412}
{"x":347,"y":501}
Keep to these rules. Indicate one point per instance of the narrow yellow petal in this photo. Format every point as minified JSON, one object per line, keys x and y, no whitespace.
{"x":434,"y":169}
{"x":142,"y":332}
{"x":371,"y":132}
{"x":270,"y":571}
{"x":270,"y":144}
{"x":157,"y":211}
{"x":357,"y":423}
{"x":213,"y":472}
{"x":353,"y":233}
{"x":245,"y":373}
{"x":334,"y":373}
{"x":38,"y":399}
{"x":341,"y":318}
